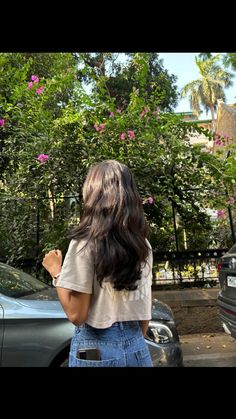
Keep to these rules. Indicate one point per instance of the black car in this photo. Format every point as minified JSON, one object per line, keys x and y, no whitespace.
{"x":227,"y":295}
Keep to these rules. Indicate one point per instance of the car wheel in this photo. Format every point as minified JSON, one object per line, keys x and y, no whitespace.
{"x":64,"y":363}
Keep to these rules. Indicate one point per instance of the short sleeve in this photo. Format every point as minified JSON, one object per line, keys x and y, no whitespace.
{"x":77,"y":272}
{"x":150,"y":255}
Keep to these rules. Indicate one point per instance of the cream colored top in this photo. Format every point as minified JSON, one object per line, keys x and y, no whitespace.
{"x":107,"y":304}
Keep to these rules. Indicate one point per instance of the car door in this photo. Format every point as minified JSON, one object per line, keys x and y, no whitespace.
{"x":1,"y":332}
{"x":227,"y":275}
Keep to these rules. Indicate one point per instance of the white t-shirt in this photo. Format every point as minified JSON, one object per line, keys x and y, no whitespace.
{"x":107,"y":304}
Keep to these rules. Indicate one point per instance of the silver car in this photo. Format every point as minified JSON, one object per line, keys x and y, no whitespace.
{"x":34,"y":331}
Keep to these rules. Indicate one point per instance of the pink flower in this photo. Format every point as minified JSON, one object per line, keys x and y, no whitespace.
{"x":220,"y":213}
{"x":123,"y":136}
{"x":102,"y":127}
{"x":39,"y":91}
{"x":35,"y":79}
{"x":145,"y":110}
{"x":43,"y":158}
{"x":2,"y":122}
{"x":112,"y":115}
{"x":218,"y":142}
{"x":131,"y":134}
{"x":30,"y":85}
{"x":150,"y":200}
{"x":118,"y":110}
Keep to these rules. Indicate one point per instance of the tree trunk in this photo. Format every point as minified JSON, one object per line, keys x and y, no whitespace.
{"x":213,"y":117}
{"x":52,"y":203}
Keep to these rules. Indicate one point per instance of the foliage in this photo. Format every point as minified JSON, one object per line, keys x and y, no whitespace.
{"x":229,"y":60}
{"x":54,"y":130}
{"x":141,"y":71}
{"x":205,"y":55}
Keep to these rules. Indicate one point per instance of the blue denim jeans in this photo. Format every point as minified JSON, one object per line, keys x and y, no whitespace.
{"x":121,"y":345}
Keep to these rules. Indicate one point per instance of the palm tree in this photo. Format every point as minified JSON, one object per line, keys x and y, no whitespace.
{"x":205,"y":55}
{"x":206,"y":90}
{"x":229,"y":59}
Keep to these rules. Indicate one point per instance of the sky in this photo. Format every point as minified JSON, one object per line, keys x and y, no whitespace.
{"x":183,"y":66}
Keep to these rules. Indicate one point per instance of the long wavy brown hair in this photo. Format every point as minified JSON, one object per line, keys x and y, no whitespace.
{"x":113,"y":222}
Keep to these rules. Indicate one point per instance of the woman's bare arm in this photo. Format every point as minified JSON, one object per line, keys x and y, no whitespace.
{"x":75,"y":304}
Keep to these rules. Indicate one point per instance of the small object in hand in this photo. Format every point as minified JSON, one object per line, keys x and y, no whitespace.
{"x":54,"y":279}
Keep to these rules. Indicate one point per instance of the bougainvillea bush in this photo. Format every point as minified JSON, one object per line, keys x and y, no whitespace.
{"x":52,"y":128}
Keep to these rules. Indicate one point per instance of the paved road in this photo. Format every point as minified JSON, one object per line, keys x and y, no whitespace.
{"x":208,"y":350}
{"x":201,"y":349}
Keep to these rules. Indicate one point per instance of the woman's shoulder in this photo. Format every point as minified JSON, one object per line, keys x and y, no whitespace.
{"x":81,"y":246}
{"x":148,"y":243}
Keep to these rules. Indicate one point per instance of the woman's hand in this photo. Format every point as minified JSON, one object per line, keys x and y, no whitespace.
{"x":52,"y":262}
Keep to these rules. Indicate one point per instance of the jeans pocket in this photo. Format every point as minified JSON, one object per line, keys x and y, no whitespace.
{"x":143,"y":358}
{"x":75,"y":362}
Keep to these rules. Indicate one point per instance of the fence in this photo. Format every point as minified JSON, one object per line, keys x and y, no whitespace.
{"x":27,"y":224}
{"x":186,"y":268}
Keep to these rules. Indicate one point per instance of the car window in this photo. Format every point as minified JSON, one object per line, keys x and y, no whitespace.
{"x":232,"y":249}
{"x":15,"y":283}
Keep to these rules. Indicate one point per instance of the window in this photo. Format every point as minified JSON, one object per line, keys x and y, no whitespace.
{"x":15,"y":283}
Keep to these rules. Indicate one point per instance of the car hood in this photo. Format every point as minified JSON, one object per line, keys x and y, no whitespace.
{"x":161,"y":311}
{"x":43,"y":300}
{"x":48,"y":300}
{"x":54,"y":306}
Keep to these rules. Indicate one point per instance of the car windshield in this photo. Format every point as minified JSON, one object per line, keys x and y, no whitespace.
{"x":16,"y":284}
{"x":233,"y":249}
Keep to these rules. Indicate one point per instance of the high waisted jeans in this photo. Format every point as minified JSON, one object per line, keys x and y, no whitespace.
{"x":121,"y":345}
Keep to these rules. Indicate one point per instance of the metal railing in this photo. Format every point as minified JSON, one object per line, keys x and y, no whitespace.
{"x":186,"y":269}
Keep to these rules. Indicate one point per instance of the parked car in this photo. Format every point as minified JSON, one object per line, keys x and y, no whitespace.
{"x":227,"y":296}
{"x":34,"y":330}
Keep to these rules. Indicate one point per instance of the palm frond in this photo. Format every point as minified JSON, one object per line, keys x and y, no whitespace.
{"x":210,"y":87}
{"x":190,"y":87}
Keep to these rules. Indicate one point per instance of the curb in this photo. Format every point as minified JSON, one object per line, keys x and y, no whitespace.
{"x":190,"y":298}
{"x":191,"y":303}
